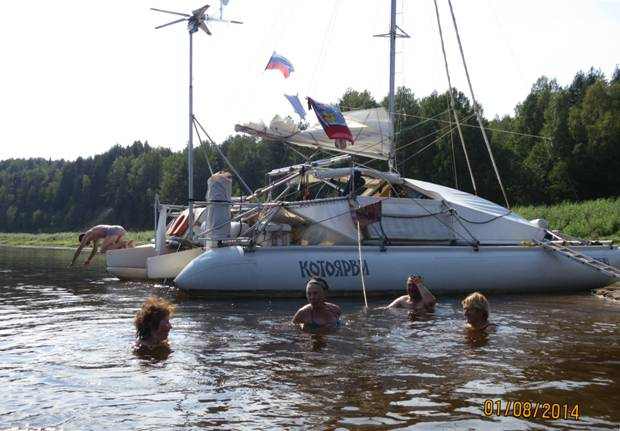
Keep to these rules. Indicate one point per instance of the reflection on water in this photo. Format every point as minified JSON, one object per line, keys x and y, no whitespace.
{"x":66,"y":359}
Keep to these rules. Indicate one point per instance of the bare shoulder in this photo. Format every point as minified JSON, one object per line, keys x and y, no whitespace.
{"x":335,"y":308}
{"x":300,"y":315}
{"x":399,"y":302}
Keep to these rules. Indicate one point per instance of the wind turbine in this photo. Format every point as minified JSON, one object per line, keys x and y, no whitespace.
{"x":196,"y":20}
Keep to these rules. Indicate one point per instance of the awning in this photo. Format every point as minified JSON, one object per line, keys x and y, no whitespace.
{"x":371,"y":130}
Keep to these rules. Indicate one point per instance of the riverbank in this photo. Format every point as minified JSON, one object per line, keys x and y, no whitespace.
{"x":61,"y":239}
{"x":610,"y":292}
{"x":595,"y":219}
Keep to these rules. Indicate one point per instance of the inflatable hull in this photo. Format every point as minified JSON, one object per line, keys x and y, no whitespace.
{"x":283,"y":271}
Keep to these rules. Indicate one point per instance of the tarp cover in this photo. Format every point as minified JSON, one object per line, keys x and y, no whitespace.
{"x":486,"y":221}
{"x":371,"y":130}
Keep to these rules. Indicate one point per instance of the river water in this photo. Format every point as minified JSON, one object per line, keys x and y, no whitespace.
{"x":66,"y":360}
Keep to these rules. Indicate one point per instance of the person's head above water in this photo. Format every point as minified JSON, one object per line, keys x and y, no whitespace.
{"x":412,"y":287}
{"x":152,"y":321}
{"x":316,"y":291}
{"x":476,"y":309}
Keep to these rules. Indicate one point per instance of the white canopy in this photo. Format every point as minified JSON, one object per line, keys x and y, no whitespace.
{"x":486,"y":221}
{"x":371,"y":130}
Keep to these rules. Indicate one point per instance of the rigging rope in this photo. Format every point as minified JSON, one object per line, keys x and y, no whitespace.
{"x":452,"y":104}
{"x":232,"y":168}
{"x":476,"y":110}
{"x":204,"y":149}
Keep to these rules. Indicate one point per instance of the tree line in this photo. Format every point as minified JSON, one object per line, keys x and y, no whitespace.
{"x":561,"y":144}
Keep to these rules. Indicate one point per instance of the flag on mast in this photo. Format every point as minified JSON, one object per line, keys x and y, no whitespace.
{"x":281,"y":63}
{"x":332,"y":121}
{"x":297,"y":106}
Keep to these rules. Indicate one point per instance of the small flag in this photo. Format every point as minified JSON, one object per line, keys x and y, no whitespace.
{"x":367,"y":215}
{"x":332,"y":121}
{"x":279,"y":62}
{"x":297,"y":106}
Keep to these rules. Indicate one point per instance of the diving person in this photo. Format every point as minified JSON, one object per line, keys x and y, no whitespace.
{"x":318,"y":313}
{"x":111,"y":237}
{"x":418,"y":297}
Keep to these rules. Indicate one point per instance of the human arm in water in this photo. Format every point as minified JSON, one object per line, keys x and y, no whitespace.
{"x":299,"y":317}
{"x":397,"y":303}
{"x":92,"y":253}
{"x":85,"y":240}
{"x":428,"y":299}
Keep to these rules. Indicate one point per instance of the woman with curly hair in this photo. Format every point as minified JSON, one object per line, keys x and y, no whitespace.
{"x":152,"y":323}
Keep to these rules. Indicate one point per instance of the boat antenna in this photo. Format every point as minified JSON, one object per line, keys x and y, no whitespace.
{"x":395,"y":31}
{"x":196,"y":20}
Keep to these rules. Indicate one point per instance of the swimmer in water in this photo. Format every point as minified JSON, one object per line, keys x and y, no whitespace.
{"x":152,"y":324}
{"x":317,"y":314}
{"x":418,"y":297}
{"x":111,"y":238}
{"x":476,"y":310}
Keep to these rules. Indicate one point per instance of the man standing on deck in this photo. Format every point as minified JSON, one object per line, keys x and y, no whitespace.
{"x":111,"y":237}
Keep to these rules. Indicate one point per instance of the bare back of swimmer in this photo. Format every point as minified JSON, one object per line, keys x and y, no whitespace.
{"x":111,"y":237}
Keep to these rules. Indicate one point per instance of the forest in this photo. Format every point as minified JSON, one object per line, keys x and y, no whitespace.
{"x":562,"y":144}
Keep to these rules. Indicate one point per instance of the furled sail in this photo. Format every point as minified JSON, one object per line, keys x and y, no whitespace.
{"x":371,"y":130}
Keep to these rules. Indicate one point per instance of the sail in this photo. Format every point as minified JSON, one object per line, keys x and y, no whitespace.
{"x":371,"y":130}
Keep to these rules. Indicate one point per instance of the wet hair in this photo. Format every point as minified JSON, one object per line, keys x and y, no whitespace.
{"x":81,"y":236}
{"x":148,"y":317}
{"x":321,"y":282}
{"x":477,"y":300}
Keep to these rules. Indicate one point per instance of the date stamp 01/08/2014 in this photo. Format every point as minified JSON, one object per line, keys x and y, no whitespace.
{"x":531,"y":409}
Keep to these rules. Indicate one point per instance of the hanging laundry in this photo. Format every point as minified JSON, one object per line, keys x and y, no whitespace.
{"x":281,"y":63}
{"x":332,"y":121}
{"x":297,"y":106}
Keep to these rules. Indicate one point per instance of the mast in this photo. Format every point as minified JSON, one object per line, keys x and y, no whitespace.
{"x":190,"y":147}
{"x":395,"y":31}
{"x":391,"y":102}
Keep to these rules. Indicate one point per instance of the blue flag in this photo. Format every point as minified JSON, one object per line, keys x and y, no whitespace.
{"x":297,"y":106}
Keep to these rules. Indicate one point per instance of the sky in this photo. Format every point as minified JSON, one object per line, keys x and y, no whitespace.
{"x":78,"y":77}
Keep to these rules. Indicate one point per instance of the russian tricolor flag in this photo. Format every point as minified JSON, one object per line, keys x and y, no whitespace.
{"x":281,"y":63}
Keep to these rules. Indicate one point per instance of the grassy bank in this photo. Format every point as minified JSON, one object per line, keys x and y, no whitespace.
{"x":596,"y":219}
{"x":61,"y":239}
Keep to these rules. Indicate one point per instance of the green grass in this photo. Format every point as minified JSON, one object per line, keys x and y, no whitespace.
{"x":62,"y":239}
{"x":595,"y":219}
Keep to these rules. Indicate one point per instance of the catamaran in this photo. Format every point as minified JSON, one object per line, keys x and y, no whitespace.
{"x":361,"y":229}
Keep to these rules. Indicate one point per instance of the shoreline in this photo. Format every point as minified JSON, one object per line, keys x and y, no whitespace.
{"x":611,"y":292}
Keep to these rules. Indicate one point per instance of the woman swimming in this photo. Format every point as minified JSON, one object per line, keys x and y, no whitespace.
{"x":152,"y":324}
{"x":476,"y":310}
{"x":318,"y":313}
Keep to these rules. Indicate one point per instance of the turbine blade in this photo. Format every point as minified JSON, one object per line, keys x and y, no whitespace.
{"x":169,"y":11}
{"x":200,"y":11}
{"x":235,"y":22}
{"x":170,"y":23}
{"x":205,"y":28}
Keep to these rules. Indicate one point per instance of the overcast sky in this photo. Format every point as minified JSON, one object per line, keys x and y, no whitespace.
{"x":80,"y":76}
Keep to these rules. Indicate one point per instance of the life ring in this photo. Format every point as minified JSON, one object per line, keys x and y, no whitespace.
{"x":179,"y":225}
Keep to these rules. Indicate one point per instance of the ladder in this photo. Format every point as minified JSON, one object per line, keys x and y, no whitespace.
{"x":608,"y":270}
